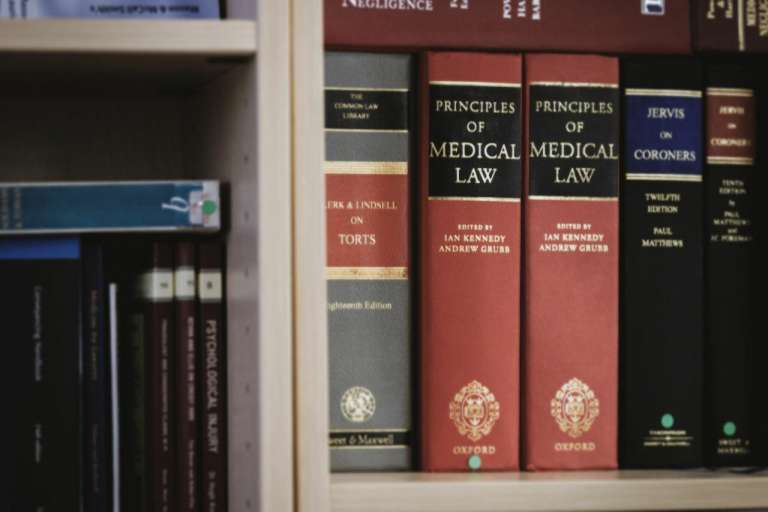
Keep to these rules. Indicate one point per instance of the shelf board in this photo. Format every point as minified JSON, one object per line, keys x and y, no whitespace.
{"x":95,"y":55}
{"x":548,"y":491}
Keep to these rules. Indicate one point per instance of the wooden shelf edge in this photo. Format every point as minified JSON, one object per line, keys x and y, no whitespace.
{"x":576,"y":491}
{"x":211,"y":38}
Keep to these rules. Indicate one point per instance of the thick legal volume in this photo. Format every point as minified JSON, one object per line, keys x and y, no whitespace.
{"x":367,"y":174}
{"x":212,"y":378}
{"x":470,"y":186}
{"x":640,"y":26}
{"x":40,"y":304}
{"x":729,"y":260}
{"x":729,"y":26}
{"x":662,"y":335}
{"x":157,"y":292}
{"x":187,"y":423}
{"x":97,"y":484}
{"x":571,"y":288}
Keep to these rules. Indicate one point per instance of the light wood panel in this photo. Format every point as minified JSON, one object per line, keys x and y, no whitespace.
{"x":310,"y":312}
{"x":556,"y":491}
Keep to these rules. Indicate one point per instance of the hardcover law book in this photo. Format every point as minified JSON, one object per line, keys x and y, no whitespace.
{"x":142,"y":9}
{"x":367,"y":177}
{"x":730,"y":266}
{"x":187,"y":424}
{"x":159,"y":365}
{"x":115,"y":206}
{"x":662,"y":337}
{"x":41,"y":315}
{"x":571,"y":273}
{"x":96,"y":382}
{"x":470,"y":186}
{"x":626,"y":26}
{"x":212,"y":377}
{"x":733,"y":25}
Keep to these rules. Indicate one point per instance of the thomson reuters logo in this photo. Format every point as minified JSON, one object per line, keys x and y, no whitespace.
{"x":390,"y":5}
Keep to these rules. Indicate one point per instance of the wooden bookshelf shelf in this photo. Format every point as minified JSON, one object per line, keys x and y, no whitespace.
{"x":557,"y":491}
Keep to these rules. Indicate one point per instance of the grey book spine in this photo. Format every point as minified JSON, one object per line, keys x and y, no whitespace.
{"x":368,"y":197}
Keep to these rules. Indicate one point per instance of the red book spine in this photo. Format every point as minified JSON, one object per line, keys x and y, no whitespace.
{"x":185,"y":290}
{"x":571,"y":262}
{"x":470,"y":260}
{"x":212,"y":378}
{"x":627,"y":26}
{"x":161,"y":446}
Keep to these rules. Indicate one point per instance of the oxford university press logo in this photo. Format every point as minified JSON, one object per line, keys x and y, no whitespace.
{"x":358,"y":404}
{"x":575,"y":408}
{"x":474,"y":410}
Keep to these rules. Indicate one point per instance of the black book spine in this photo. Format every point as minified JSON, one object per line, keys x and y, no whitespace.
{"x":729,"y":180}
{"x":662,"y":265}
{"x":96,"y":387}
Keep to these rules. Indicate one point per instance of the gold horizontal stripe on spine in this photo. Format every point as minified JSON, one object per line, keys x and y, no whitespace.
{"x":573,"y":198}
{"x":730,"y":160}
{"x":372,"y":89}
{"x":476,"y":199}
{"x":640,"y":176}
{"x":341,"y":167}
{"x":577,"y":84}
{"x":363,"y":130}
{"x":730,"y":91}
{"x":384,"y":447}
{"x":678,"y":93}
{"x":368,"y":430}
{"x":364,"y":273}
{"x":476,"y":84}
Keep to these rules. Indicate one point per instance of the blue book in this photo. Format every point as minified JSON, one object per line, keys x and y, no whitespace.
{"x":110,"y":206}
{"x":142,"y":9}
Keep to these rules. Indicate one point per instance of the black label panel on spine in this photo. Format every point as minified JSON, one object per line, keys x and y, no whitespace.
{"x":474,"y":141}
{"x":574,"y":140}
{"x":366,"y":109}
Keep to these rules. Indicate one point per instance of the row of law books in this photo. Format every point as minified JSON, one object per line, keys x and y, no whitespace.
{"x":619,"y":26}
{"x":113,"y":304}
{"x":544,"y":261}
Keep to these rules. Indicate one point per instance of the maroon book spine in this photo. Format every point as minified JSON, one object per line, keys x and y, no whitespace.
{"x":626,"y":26}
{"x":185,"y":290}
{"x":213,"y":378}
{"x":729,"y":26}
{"x":161,"y":446}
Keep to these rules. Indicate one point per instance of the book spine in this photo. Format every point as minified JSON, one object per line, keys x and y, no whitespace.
{"x":571,"y":263}
{"x":647,"y":26}
{"x":158,"y":292}
{"x":33,"y":208}
{"x":367,"y":174}
{"x":730,"y":130}
{"x":96,"y":386}
{"x":471,"y":180}
{"x":662,"y":338}
{"x":212,"y":361}
{"x":185,"y":294}
{"x":143,"y":9}
{"x":115,"y":431}
{"x":735,"y":25}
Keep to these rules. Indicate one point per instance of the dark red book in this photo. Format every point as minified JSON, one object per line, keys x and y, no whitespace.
{"x":571,"y":280}
{"x":185,"y":293}
{"x":471,"y":169}
{"x":627,"y":26}
{"x":157,"y":291}
{"x":212,"y":378}
{"x":729,"y":26}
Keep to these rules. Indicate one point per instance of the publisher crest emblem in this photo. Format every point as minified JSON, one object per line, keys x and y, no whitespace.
{"x":575,"y":408}
{"x":474,"y":410}
{"x":358,"y":404}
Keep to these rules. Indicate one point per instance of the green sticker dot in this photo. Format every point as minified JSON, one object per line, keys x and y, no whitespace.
{"x":729,"y":428}
{"x":209,"y":207}
{"x":475,"y":462}
{"x":667,"y":421}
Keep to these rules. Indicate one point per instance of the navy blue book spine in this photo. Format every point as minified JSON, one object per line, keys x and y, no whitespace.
{"x":96,"y":383}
